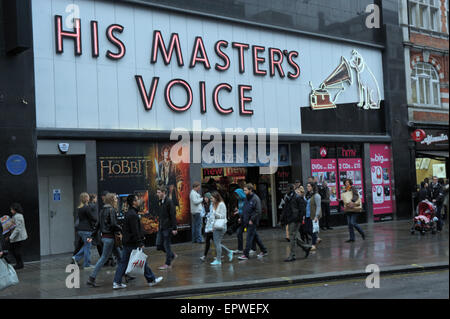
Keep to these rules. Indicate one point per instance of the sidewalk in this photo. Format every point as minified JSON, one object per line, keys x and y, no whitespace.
{"x":389,"y":245}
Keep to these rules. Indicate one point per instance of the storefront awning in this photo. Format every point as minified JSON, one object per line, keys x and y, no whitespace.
{"x":434,"y":153}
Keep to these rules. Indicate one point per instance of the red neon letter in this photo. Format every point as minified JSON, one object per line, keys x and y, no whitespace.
{"x":216,"y":103}
{"x":257,"y":60}
{"x":276,"y":63}
{"x":119,"y":44}
{"x":241,"y":47}
{"x":146,"y":99}
{"x":294,"y":65}
{"x":244,"y":99}
{"x":94,"y":38}
{"x":169,"y":100}
{"x":60,"y":34}
{"x":158,"y":43}
{"x":222,"y":55}
{"x":202,"y":97}
{"x":203,"y":58}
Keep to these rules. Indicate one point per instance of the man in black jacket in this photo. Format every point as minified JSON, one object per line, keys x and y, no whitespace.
{"x":437,"y":197}
{"x":293,"y":213}
{"x":167,"y":225}
{"x":251,"y":217}
{"x":132,"y":239}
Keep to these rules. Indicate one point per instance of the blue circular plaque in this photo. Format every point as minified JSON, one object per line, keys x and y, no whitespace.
{"x":16,"y":164}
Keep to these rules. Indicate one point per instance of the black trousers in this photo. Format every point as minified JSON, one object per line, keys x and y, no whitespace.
{"x":16,"y":251}
{"x":325,"y":215}
{"x":208,"y":239}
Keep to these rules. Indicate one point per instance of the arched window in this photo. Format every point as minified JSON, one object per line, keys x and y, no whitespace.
{"x":425,"y":85}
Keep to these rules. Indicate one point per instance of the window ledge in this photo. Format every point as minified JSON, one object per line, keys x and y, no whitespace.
{"x":432,"y":33}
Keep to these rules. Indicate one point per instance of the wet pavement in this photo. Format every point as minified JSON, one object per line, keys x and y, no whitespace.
{"x":389,"y":245}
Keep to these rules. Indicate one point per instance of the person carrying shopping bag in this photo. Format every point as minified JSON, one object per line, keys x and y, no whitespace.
{"x":352,"y":207}
{"x":132,"y":239}
{"x":219,"y":211}
{"x":18,"y":235}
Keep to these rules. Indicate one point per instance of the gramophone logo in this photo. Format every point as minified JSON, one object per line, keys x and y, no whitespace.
{"x":320,"y":98}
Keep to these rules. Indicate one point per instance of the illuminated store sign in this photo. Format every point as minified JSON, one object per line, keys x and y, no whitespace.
{"x":280,"y":63}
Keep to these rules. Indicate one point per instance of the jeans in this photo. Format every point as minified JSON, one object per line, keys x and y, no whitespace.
{"x":252,"y":235}
{"x":208,"y":238}
{"x":294,"y":235}
{"x":123,"y":264}
{"x":163,"y":243}
{"x":240,"y":237}
{"x":108,"y":246}
{"x":85,"y":250}
{"x":309,"y":227}
{"x":218,"y":235}
{"x":351,"y":219}
{"x":196,"y":228}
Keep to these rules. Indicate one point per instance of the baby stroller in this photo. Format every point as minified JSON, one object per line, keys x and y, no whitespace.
{"x":425,"y":220}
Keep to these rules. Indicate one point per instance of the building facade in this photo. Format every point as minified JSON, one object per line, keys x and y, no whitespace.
{"x":425,"y":36}
{"x":124,"y":96}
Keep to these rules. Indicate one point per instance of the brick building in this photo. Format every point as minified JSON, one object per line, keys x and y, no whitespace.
{"x":425,"y":39}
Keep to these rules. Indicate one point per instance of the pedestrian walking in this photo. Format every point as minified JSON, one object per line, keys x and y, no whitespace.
{"x":18,"y":235}
{"x":324,"y":193}
{"x":209,"y":215}
{"x":293,"y":212}
{"x":96,"y":241}
{"x":106,"y":229}
{"x":86,"y":224}
{"x":239,"y":210}
{"x":313,"y":212}
{"x":132,"y":239}
{"x":205,"y":211}
{"x":196,"y":208}
{"x":352,"y":207}
{"x":251,"y":217}
{"x":219,"y":210}
{"x":167,"y":226}
{"x":437,"y":197}
{"x":445,"y":202}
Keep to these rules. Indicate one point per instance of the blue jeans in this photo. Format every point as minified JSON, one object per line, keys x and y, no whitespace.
{"x":123,"y":264}
{"x":85,"y":251}
{"x":108,"y":246}
{"x":252,"y":235}
{"x":351,"y":219}
{"x":240,"y":238}
{"x":163,"y":243}
{"x":196,"y":228}
{"x":218,"y":236}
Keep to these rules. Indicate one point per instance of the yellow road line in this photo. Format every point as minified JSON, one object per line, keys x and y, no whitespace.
{"x":330,"y":283}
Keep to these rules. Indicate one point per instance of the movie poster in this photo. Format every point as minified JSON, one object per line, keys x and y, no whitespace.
{"x":138,"y":168}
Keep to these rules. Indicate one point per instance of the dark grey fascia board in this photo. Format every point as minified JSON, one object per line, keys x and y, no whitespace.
{"x":438,"y":126}
{"x":251,"y":23}
{"x":147,"y":135}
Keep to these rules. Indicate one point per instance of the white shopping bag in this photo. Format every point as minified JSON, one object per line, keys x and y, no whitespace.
{"x":8,"y":276}
{"x":316,"y":227}
{"x":137,"y":262}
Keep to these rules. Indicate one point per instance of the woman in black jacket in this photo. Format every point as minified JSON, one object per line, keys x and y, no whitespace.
{"x":106,"y":228}
{"x":86,"y":224}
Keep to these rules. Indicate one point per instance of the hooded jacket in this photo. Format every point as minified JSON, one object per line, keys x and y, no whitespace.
{"x":252,"y":210}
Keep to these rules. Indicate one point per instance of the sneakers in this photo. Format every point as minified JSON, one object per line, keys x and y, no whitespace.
{"x":91,"y":282}
{"x":165,"y":267}
{"x":88,"y":267}
{"x":119,"y":286}
{"x":238,"y":252}
{"x":318,"y":241}
{"x":203,"y":258}
{"x":155,"y":281}
{"x":230,"y":256}
{"x":243,"y":257}
{"x":307,"y":250}
{"x":262,"y":254}
{"x":175,"y":256}
{"x":74,"y":261}
{"x":252,"y":252}
{"x":216,"y":262}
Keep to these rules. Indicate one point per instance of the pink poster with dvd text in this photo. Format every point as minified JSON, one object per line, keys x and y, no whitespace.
{"x":351,"y":168}
{"x":325,"y":170}
{"x":381,"y":172}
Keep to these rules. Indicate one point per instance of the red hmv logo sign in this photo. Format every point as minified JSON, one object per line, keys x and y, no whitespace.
{"x":273,"y":62}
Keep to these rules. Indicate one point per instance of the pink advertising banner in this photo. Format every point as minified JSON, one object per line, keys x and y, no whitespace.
{"x":326,"y":170}
{"x":381,"y":171}
{"x":351,"y":168}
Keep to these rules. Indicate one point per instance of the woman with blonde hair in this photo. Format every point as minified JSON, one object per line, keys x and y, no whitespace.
{"x":86,"y":224}
{"x":219,"y":211}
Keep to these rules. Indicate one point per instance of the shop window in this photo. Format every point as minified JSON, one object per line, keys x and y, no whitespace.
{"x":425,"y":85}
{"x":424,"y":14}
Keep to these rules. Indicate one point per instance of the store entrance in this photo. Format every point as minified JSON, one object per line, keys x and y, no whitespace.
{"x":227,"y":179}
